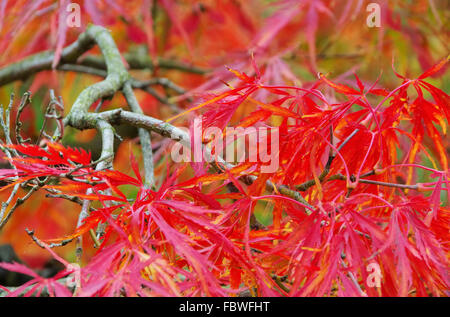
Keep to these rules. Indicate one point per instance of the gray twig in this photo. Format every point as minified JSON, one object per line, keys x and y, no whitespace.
{"x":144,"y":137}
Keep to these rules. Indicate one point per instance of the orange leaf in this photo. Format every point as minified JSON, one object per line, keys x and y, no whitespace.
{"x":343,"y":89}
{"x":433,"y":70}
{"x":254,"y":117}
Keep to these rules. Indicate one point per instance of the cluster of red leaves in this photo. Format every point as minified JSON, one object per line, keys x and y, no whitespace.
{"x":195,"y":238}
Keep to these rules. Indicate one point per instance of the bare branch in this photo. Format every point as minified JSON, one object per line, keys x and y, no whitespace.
{"x":42,"y":245}
{"x":23,"y":103}
{"x":18,"y":202}
{"x":373,"y":182}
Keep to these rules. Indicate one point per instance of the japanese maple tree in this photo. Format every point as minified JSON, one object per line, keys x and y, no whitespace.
{"x":348,"y":196}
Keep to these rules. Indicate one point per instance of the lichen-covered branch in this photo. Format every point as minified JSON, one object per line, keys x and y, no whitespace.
{"x":80,"y":118}
{"x":144,"y":137}
{"x":143,"y":61}
{"x":145,"y":85}
{"x":43,"y":61}
{"x":117,"y":76}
